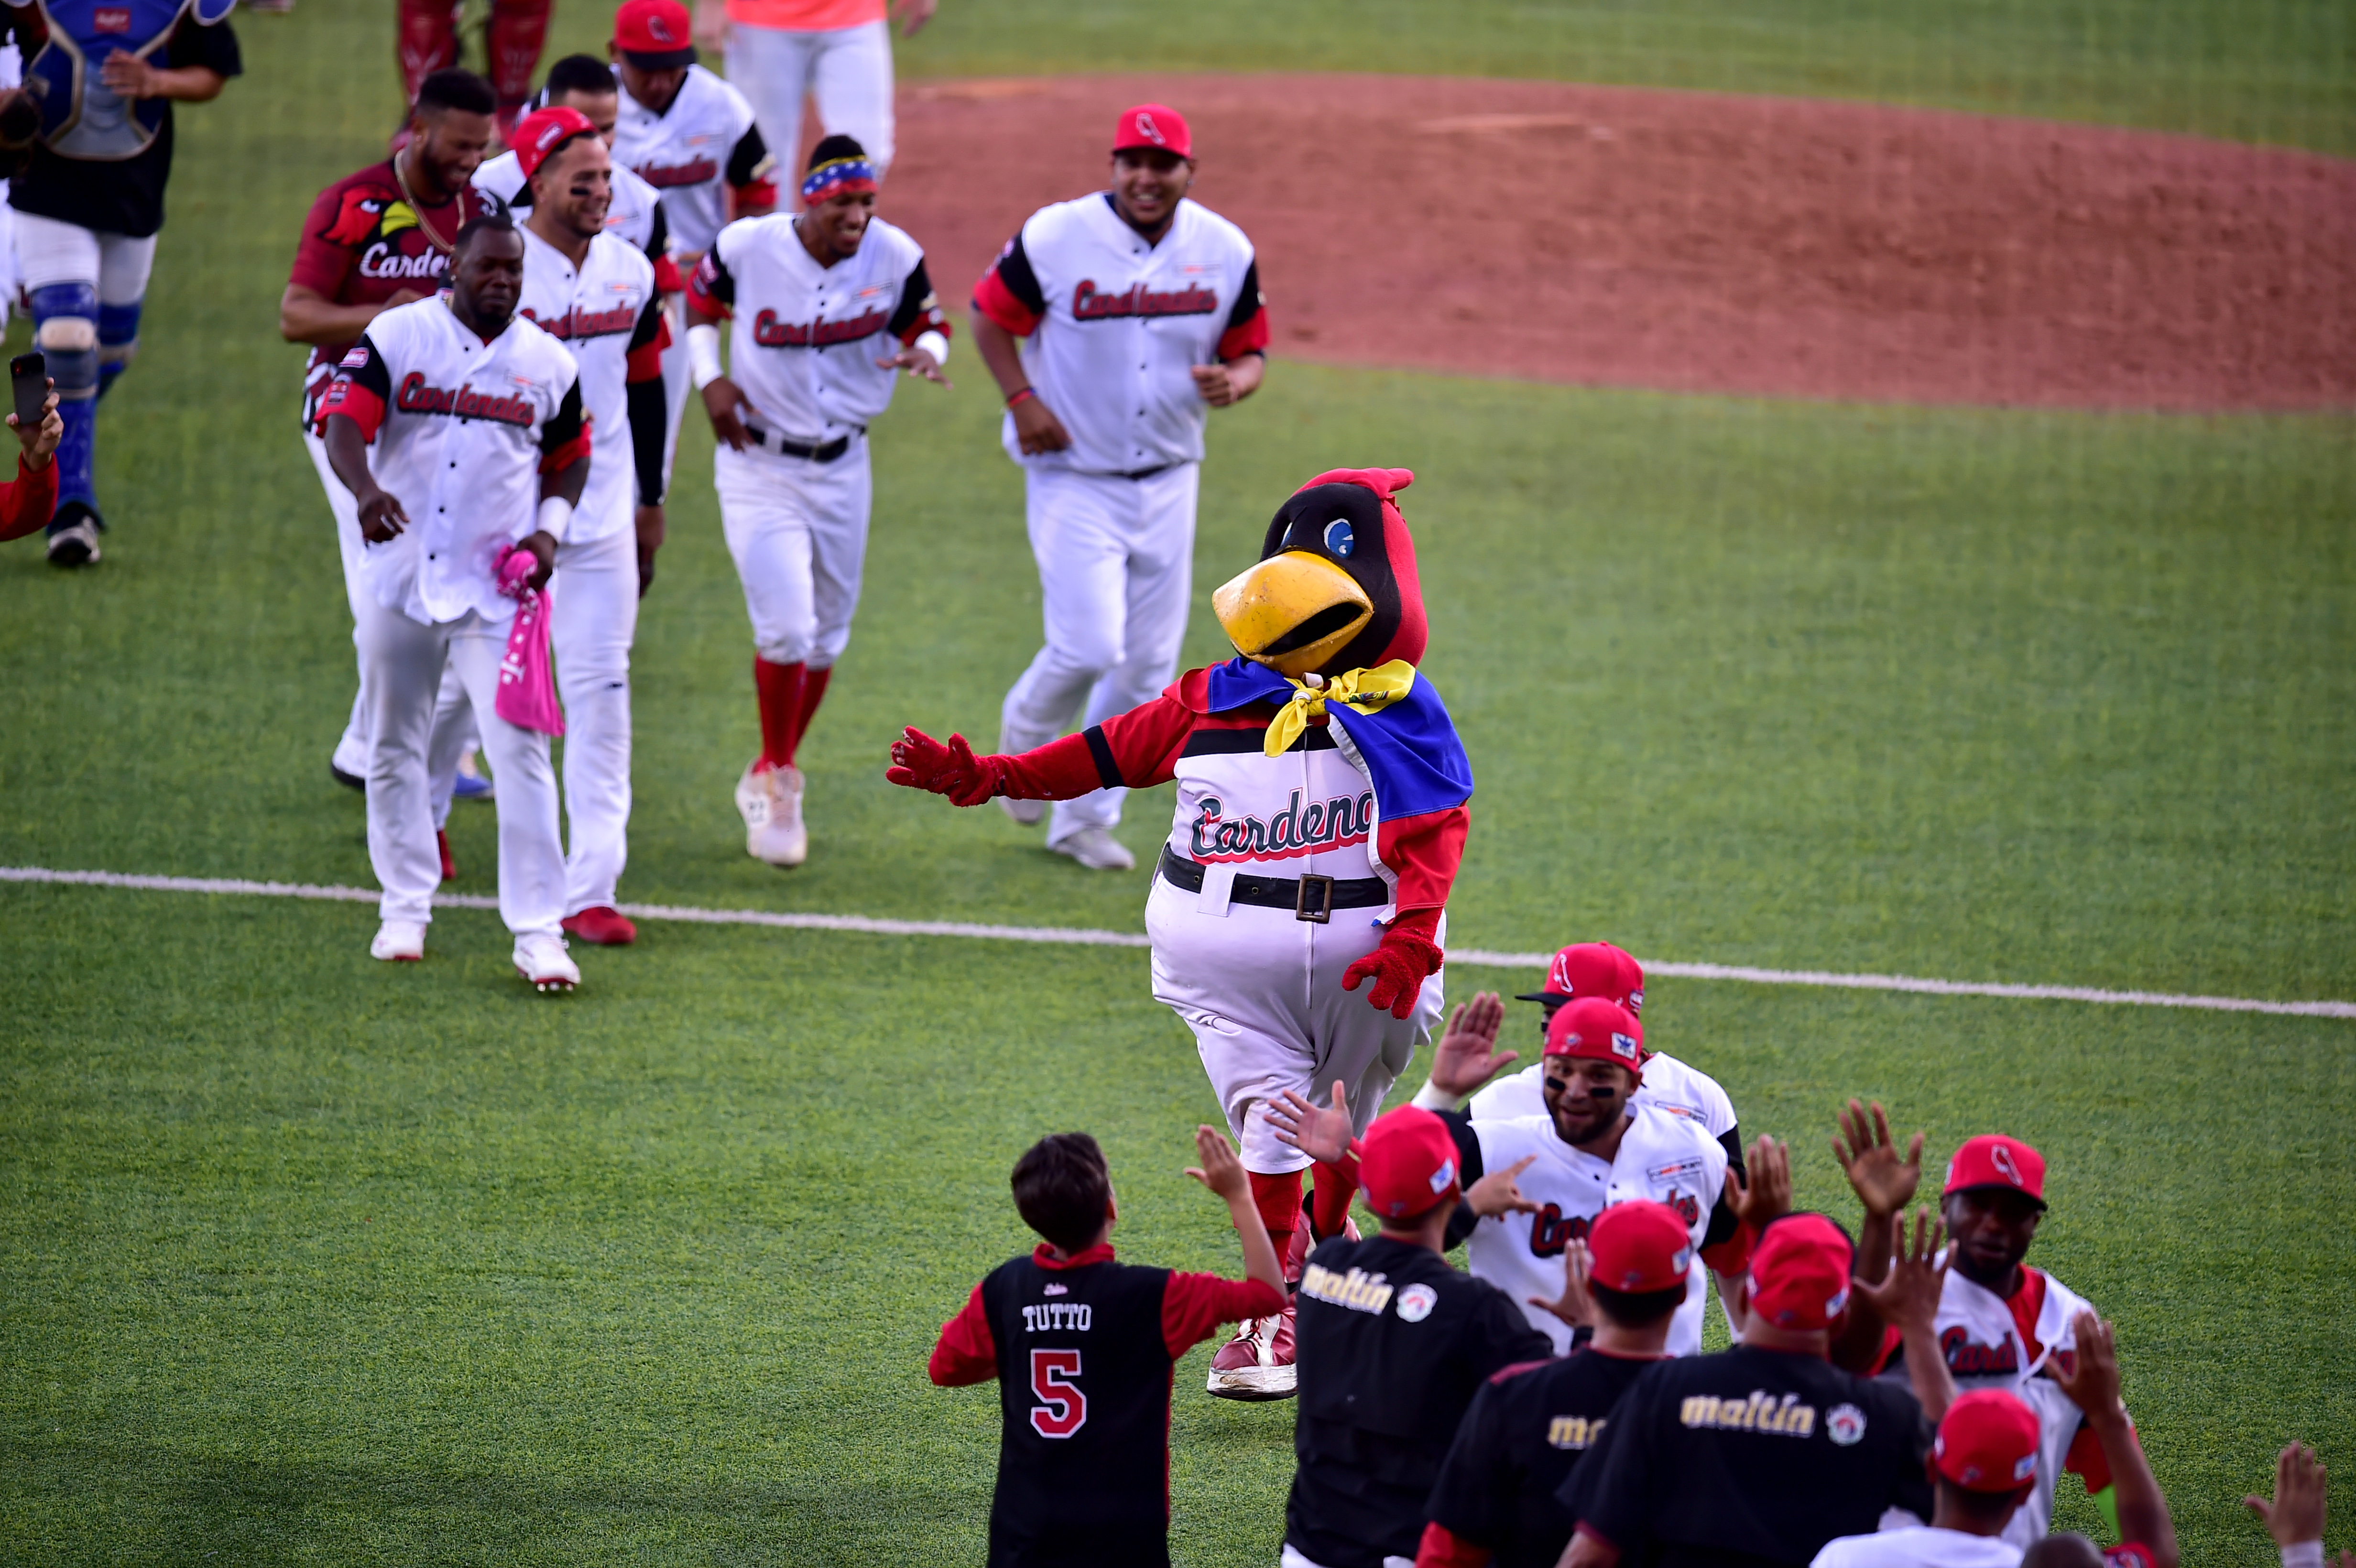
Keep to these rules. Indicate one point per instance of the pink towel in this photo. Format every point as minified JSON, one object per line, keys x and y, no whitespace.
{"x":526,"y":680}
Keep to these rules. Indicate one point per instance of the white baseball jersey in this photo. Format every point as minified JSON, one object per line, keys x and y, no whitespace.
{"x":636,"y":215}
{"x":1985,"y":1347}
{"x":1669,"y":1159}
{"x":1670,"y":1084}
{"x":1918,"y":1546}
{"x":807,"y":337}
{"x":695,"y":153}
{"x":602,"y":314}
{"x":1114,"y":326}
{"x":458,"y":429}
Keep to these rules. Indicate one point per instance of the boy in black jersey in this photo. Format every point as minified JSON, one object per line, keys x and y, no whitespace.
{"x":1756,"y":1456}
{"x":1082,"y":1347}
{"x":1529,"y":1425}
{"x":1393,"y":1344}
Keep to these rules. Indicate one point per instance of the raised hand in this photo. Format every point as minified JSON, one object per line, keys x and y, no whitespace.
{"x":1322,"y":1134}
{"x":2091,"y":1377}
{"x":1575,"y":1306}
{"x":1467,"y":1055}
{"x":2296,"y":1514}
{"x":1908,"y":1299}
{"x":919,"y":762}
{"x":1883,"y":1182}
{"x":1766,"y":1196}
{"x":1497,"y":1193}
{"x":1220,"y":1171}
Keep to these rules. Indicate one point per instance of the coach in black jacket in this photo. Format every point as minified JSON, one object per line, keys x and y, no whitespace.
{"x":1393,"y":1345}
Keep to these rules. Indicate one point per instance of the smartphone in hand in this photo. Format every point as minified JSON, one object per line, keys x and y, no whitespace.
{"x":28,"y":374}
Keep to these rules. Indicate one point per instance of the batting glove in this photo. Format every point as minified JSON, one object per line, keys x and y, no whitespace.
{"x":919,"y":762}
{"x":1397,"y":968}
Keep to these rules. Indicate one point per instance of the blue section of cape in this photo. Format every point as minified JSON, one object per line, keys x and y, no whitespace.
{"x":1412,"y":755}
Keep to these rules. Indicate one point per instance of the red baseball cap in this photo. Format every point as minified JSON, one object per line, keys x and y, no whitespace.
{"x":542,"y":131}
{"x":1153,"y":125}
{"x":1639,"y":1246}
{"x":1406,"y":1162}
{"x":1987,"y":1442}
{"x":1591,"y":969}
{"x":655,"y":34}
{"x":1597,"y":1031}
{"x":1799,"y":1272}
{"x":1994,"y":1160}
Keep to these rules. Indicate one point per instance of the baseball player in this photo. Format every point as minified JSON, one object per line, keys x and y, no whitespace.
{"x":1324,"y":799}
{"x":592,"y":290}
{"x":513,"y":34}
{"x":585,"y":83}
{"x":90,"y":201}
{"x":379,"y":237}
{"x":1082,"y":1345}
{"x":477,"y":430}
{"x":1983,"y":1463}
{"x":837,"y":53}
{"x":1138,"y":311}
{"x":693,"y":137}
{"x":831,"y":303}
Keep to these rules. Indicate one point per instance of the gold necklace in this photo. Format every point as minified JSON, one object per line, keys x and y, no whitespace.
{"x":400,"y":178}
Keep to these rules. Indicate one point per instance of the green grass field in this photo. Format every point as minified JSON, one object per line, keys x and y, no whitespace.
{"x":303,"y":1260}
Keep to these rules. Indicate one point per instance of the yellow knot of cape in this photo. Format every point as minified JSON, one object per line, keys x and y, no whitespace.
{"x":1360,"y":690}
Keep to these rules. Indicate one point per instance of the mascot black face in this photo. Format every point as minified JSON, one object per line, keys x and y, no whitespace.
{"x":1343,"y":523}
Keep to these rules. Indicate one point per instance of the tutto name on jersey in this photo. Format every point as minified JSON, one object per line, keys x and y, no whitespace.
{"x":1294,"y":831}
{"x":416,"y":396}
{"x":1088,"y":304}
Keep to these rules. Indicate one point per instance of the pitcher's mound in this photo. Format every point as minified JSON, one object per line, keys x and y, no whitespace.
{"x":1706,"y":243}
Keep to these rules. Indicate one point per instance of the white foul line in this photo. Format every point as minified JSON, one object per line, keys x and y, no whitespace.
{"x":1473,"y":957}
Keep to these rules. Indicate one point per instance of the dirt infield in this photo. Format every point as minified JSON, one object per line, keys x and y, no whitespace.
{"x":1698,"y":242}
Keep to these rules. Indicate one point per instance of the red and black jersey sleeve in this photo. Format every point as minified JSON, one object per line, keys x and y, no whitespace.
{"x":749,"y":166}
{"x":1247,"y":330}
{"x":1009,"y":293}
{"x":564,"y":438}
{"x":642,"y":394}
{"x":920,"y":310}
{"x":1195,"y":1305}
{"x":1137,"y":749}
{"x":1424,"y":852}
{"x":713,"y":292}
{"x":361,"y":391}
{"x":967,"y":1351}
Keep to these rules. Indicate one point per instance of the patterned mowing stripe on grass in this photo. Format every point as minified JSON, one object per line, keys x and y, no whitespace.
{"x":1471,"y":957}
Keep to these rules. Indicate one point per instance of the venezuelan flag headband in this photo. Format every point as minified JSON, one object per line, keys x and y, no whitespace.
{"x":838,"y":177}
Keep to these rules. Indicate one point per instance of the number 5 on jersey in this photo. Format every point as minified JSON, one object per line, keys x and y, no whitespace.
{"x":1062,"y":1408}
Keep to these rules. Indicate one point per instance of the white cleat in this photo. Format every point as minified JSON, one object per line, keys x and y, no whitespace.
{"x":771,"y":803}
{"x":399,"y":941}
{"x":1029,"y":813}
{"x":541,"y":959}
{"x":1095,"y":848}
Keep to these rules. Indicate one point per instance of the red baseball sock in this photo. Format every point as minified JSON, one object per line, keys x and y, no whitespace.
{"x":1278,"y":1198}
{"x":779,"y":687}
{"x":1330,"y":1201}
{"x":513,"y":38}
{"x":428,"y":40}
{"x":813,"y":693}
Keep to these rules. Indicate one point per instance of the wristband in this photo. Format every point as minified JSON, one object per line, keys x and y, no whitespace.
{"x":2303,"y":1554}
{"x":704,"y":354}
{"x":1025,"y":395}
{"x":934,"y":344}
{"x":1432,"y":1097}
{"x":555,"y":517}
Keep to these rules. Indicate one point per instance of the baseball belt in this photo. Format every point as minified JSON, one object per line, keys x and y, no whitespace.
{"x":1311,"y":898}
{"x":787,"y":447}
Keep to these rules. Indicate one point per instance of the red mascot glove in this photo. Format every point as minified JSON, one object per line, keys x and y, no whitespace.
{"x":1397,"y":966}
{"x":919,"y":762}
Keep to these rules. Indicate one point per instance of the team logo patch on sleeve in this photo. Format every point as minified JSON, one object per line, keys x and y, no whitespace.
{"x":354,"y":357}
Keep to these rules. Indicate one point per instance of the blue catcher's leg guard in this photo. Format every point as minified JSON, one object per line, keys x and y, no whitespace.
{"x":65,"y":329}
{"x":118,"y":341}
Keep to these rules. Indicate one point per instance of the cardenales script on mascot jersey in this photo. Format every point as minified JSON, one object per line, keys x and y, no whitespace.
{"x":415,"y":396}
{"x":771,"y":333}
{"x":1296,"y":830}
{"x":1088,"y":304}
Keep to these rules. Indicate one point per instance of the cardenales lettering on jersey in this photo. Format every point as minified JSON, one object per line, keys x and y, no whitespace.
{"x":579,"y":321}
{"x":415,"y":395}
{"x":1091,"y":303}
{"x":770,"y":332}
{"x":1295,"y":830}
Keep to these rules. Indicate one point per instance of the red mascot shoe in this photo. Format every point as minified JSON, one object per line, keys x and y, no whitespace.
{"x":601,"y":925}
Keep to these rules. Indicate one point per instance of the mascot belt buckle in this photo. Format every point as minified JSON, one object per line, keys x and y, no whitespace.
{"x":1322,"y":914}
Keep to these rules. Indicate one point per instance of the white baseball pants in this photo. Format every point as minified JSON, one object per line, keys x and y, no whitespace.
{"x":797,"y":529}
{"x":847,"y":71}
{"x":50,"y":251}
{"x":1261,"y":989}
{"x":401,"y":664}
{"x":1116,"y":568}
{"x":593,"y":622}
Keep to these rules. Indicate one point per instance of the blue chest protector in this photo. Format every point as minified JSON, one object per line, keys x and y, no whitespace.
{"x":80,"y":116}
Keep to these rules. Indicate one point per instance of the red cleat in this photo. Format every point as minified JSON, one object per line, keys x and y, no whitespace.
{"x":602,"y":925}
{"x":449,"y":867}
{"x":1258,"y":1362}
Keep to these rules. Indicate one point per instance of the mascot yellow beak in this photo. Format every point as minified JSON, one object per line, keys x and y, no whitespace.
{"x":1292,"y":612}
